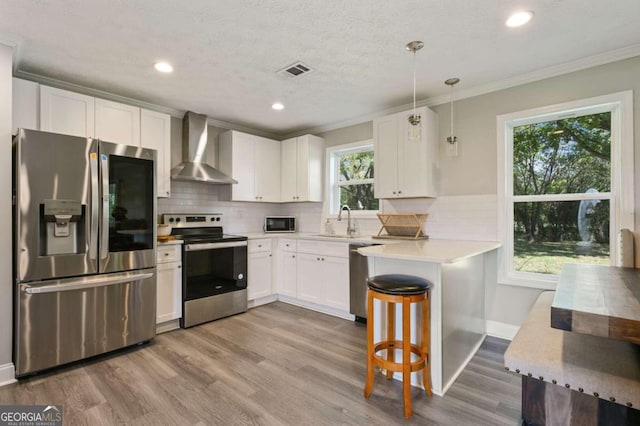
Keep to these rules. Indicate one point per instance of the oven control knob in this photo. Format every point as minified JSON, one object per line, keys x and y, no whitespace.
{"x":213,"y":219}
{"x":177,"y":219}
{"x":217,"y":219}
{"x":240,"y":276}
{"x":170,"y":219}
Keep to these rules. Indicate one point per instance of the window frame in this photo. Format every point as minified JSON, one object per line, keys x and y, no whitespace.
{"x":621,"y":197}
{"x":332,"y":194}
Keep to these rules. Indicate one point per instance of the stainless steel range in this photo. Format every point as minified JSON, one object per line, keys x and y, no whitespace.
{"x":214,"y":272}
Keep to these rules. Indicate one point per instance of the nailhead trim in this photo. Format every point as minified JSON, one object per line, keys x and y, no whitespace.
{"x":529,"y":374}
{"x":612,"y":399}
{"x":541,"y":378}
{"x":506,"y":368}
{"x":567,"y":386}
{"x":518,"y":370}
{"x":596,"y":394}
{"x":554,"y":381}
{"x":580,"y":390}
{"x":629,"y":404}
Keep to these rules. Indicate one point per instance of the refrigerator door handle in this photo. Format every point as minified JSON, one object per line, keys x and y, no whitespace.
{"x":95,"y":205}
{"x":104,"y":228}
{"x":93,"y":282}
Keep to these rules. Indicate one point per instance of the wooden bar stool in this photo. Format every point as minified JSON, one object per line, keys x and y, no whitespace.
{"x":404,"y":289}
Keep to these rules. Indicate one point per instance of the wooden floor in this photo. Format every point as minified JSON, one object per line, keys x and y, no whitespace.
{"x":276,"y":364}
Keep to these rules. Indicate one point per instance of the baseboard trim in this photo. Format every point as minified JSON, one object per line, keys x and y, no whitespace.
{"x":7,"y":374}
{"x":318,"y":308}
{"x":502,"y":330}
{"x":262,"y":301}
{"x":170,"y":325}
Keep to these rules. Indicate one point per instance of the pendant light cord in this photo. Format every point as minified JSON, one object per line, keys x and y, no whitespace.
{"x":452,"y":112}
{"x":414,"y":83}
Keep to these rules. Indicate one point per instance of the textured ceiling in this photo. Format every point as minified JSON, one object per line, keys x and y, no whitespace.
{"x":226,"y":53}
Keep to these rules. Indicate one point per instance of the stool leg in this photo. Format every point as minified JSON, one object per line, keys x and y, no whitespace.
{"x":426,"y":345}
{"x":406,"y":356}
{"x":391,"y":335}
{"x":369,"y":384}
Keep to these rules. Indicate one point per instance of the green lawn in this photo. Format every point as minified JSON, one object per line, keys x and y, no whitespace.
{"x":548,"y":258}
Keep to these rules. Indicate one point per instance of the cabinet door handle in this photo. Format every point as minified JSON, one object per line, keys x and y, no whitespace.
{"x":394,"y":192}
{"x":323,"y":259}
{"x":179,"y":266}
{"x":317,"y":258}
{"x":399,"y":192}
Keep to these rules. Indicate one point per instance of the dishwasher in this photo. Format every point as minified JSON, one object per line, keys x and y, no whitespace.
{"x":358,"y":274}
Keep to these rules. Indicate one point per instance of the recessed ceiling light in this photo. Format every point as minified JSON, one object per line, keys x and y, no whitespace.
{"x":277,"y":106}
{"x":519,"y":18}
{"x":163,"y":67}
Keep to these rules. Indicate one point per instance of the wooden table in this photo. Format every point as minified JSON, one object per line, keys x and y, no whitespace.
{"x":598,"y":300}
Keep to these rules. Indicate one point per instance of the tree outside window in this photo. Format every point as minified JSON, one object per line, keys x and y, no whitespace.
{"x":569,"y":157}
{"x":352,"y":172}
{"x":566,"y":186}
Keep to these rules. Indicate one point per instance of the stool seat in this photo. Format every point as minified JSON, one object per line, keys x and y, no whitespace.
{"x":398,"y":284}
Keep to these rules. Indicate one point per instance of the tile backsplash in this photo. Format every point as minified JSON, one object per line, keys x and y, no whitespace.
{"x":239,"y":217}
{"x":463,"y":217}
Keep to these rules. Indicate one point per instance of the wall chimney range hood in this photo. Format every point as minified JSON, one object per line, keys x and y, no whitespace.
{"x":194,"y":143}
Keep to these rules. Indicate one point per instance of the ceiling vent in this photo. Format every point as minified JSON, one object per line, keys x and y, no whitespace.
{"x":295,"y":70}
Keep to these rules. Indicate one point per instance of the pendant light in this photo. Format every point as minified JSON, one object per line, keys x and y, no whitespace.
{"x":415,"y":120}
{"x":452,"y":139}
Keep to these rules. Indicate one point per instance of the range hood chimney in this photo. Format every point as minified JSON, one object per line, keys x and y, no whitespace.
{"x":194,"y":143}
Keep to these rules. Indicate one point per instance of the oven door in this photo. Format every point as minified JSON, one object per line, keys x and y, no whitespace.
{"x":214,"y":283}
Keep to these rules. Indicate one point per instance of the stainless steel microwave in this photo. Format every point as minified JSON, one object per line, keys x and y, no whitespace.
{"x":279,"y":224}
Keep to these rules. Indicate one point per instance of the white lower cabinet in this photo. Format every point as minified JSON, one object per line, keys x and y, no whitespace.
{"x":287,"y":268}
{"x":323,"y":273}
{"x":169,"y":283}
{"x":259,"y":269}
{"x":336,"y":282}
{"x":310,"y":282}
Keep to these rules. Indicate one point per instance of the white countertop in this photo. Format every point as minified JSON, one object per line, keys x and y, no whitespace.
{"x":321,"y":237}
{"x":436,"y":251}
{"x":169,"y":243}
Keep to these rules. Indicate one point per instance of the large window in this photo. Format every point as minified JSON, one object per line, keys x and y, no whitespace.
{"x":564,"y":195}
{"x":350,"y":173}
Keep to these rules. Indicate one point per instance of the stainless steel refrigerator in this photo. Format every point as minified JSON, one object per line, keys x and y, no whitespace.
{"x":84,"y":248}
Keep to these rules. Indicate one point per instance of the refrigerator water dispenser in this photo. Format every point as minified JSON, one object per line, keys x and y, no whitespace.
{"x":60,"y":218}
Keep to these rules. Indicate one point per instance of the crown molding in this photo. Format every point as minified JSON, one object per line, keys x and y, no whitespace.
{"x":177,"y":113}
{"x":530,"y":77}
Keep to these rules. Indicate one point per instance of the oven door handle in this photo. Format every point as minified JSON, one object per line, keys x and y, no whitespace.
{"x":213,"y":246}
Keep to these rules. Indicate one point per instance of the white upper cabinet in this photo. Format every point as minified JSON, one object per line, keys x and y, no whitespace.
{"x":74,"y":114}
{"x":254,"y":162}
{"x":25,"y":105}
{"x":404,"y":168}
{"x":66,"y":112}
{"x":302,"y":168}
{"x":155,"y":133}
{"x":117,"y":123}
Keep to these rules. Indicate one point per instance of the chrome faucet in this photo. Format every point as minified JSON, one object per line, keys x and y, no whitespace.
{"x":350,"y":228}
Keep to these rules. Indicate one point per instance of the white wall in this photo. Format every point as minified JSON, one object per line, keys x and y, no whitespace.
{"x":6,"y":274}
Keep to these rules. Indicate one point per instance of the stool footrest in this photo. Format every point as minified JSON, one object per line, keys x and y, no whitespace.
{"x":397,"y":366}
